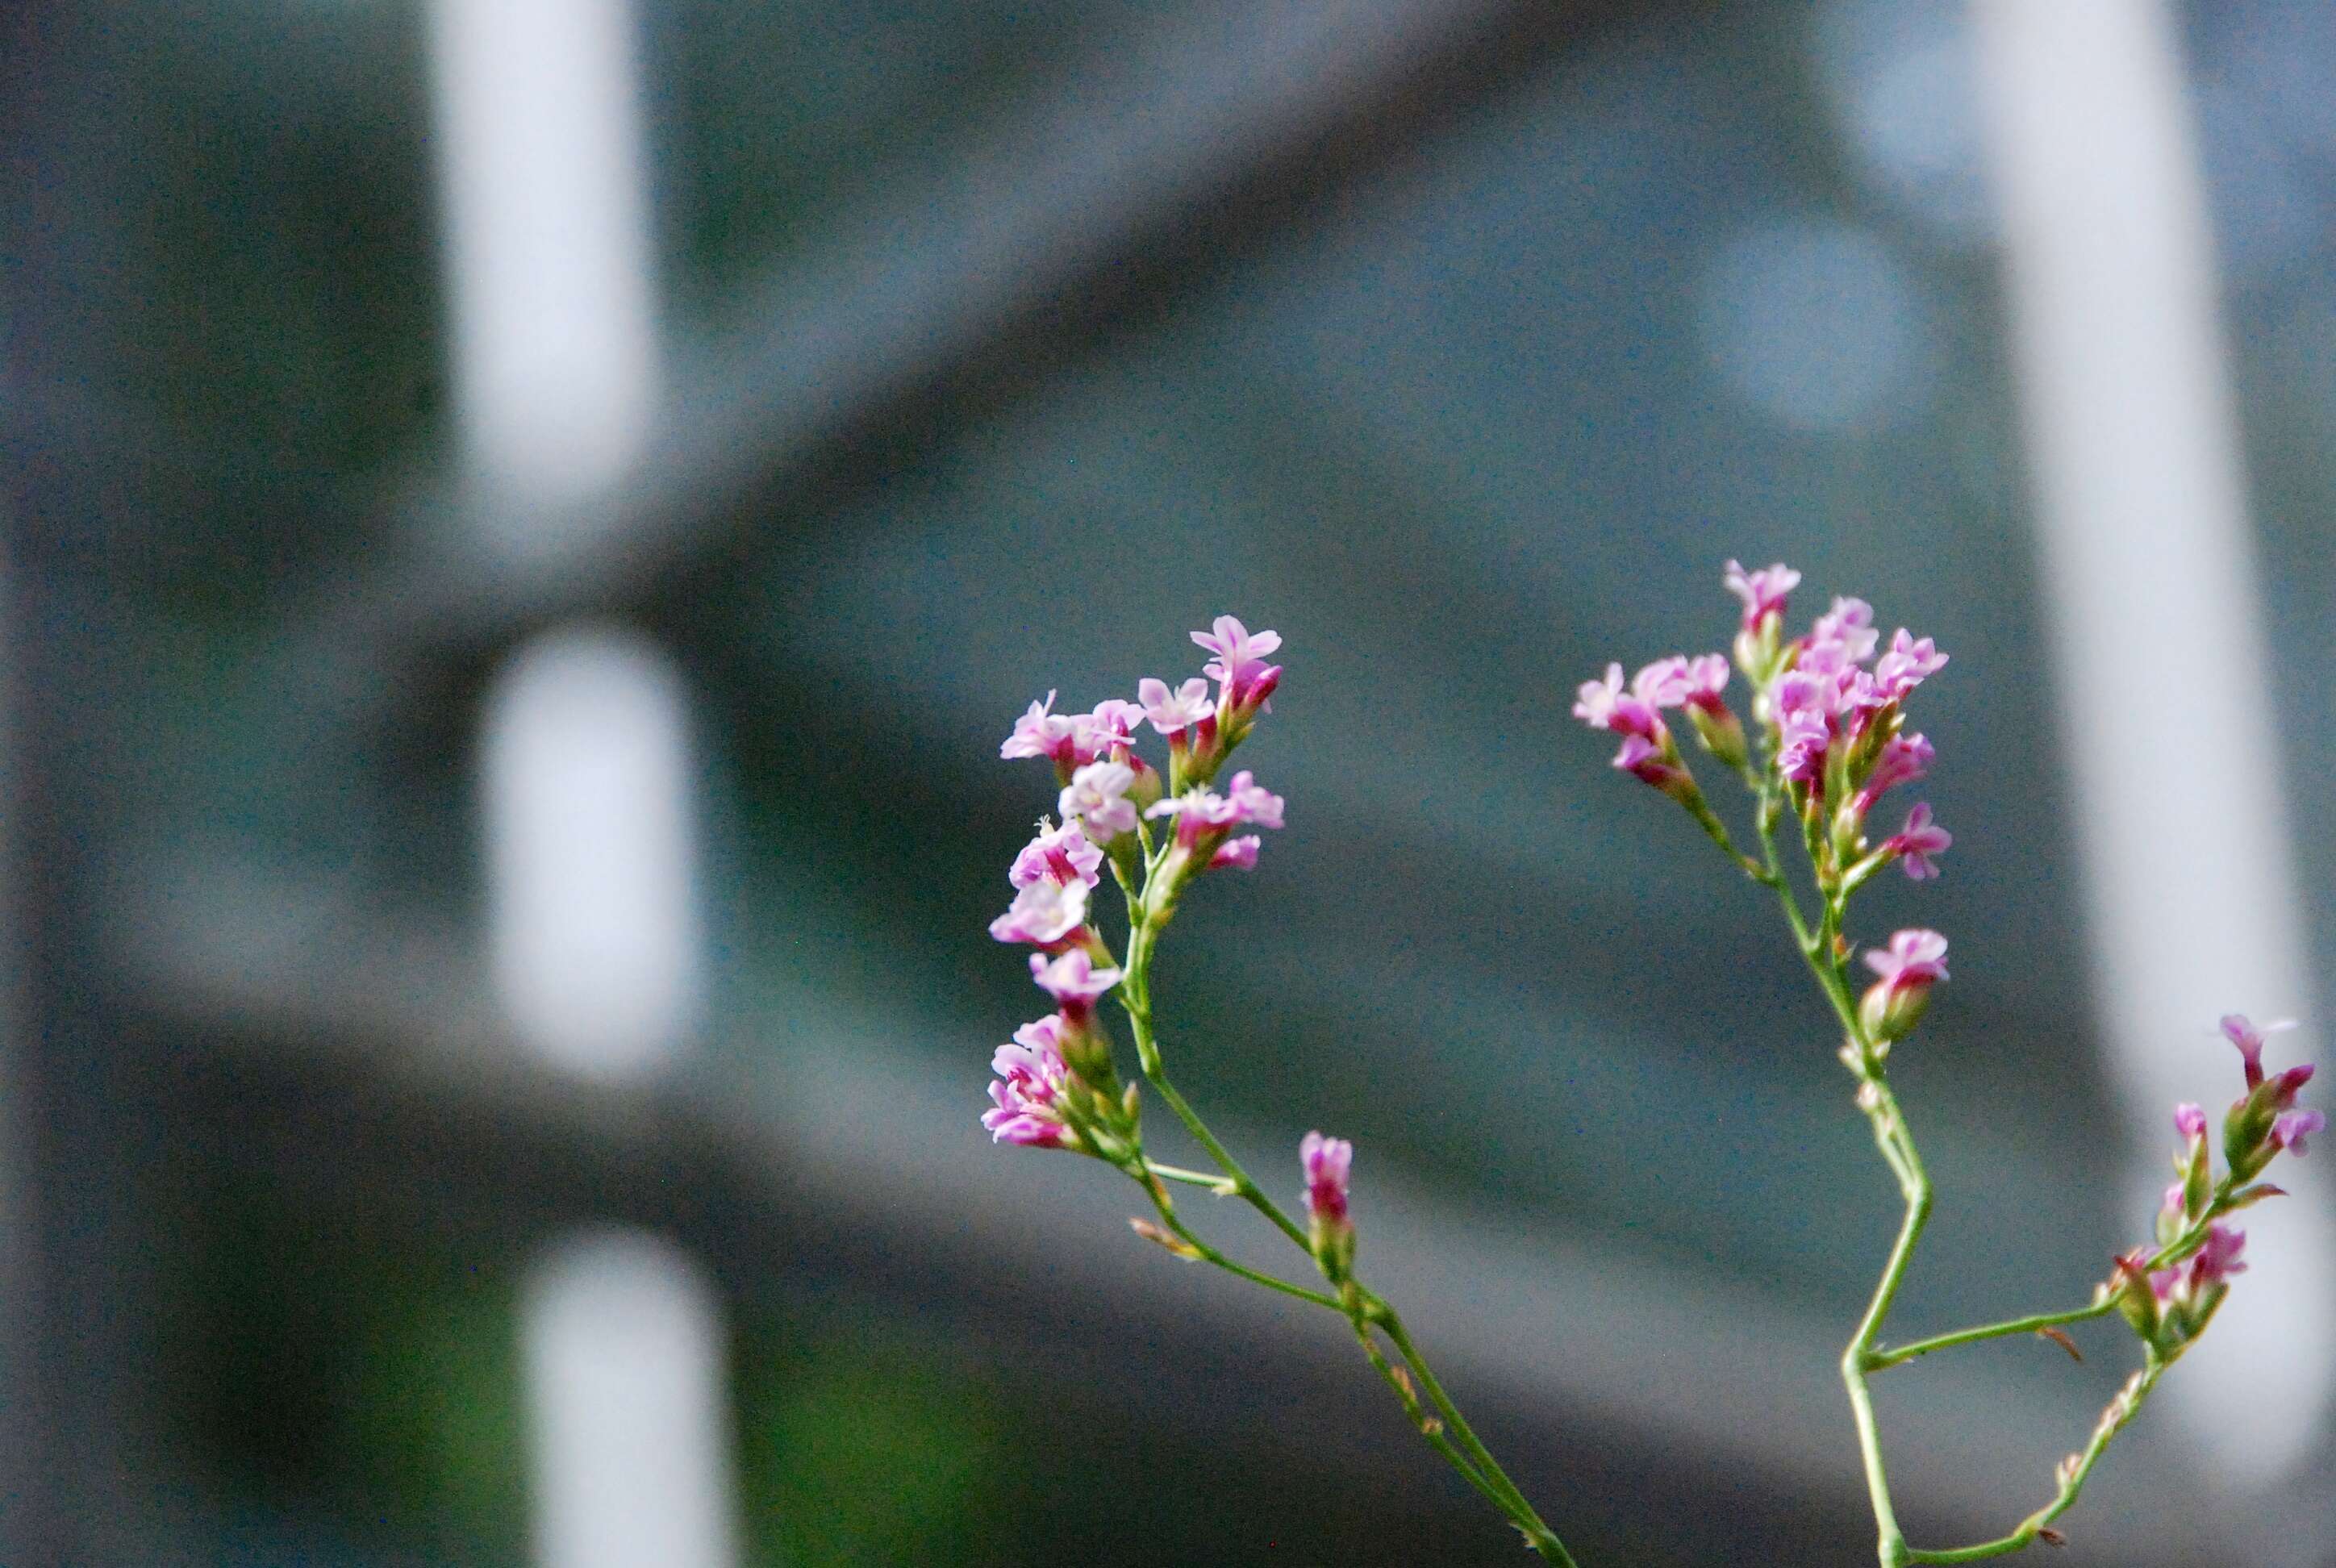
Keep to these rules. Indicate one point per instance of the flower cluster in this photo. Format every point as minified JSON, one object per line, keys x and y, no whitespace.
{"x":1831,"y":705}
{"x":2170,"y":1291}
{"x":1831,"y":740}
{"x":1056,"y":1085}
{"x":1159,"y":831}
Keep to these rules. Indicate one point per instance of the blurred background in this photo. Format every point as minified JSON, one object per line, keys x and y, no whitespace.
{"x":526,"y":521}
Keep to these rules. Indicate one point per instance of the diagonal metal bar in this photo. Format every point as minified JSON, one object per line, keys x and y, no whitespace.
{"x":1158,"y":155}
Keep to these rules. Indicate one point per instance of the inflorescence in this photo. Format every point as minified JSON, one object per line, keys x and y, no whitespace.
{"x":1826,"y":740}
{"x":1828,"y":708}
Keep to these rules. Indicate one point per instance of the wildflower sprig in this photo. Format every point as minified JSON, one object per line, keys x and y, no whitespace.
{"x":1056,"y":1085}
{"x":1828,"y":709}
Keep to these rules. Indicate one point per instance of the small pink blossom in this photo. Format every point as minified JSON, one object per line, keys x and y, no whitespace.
{"x":1042,"y":913}
{"x":1918,"y":841}
{"x":2190,"y":1120}
{"x":1915,"y":957}
{"x":2249,"y":1041}
{"x":1237,"y":854}
{"x":2218,"y":1259}
{"x":1173,"y":712}
{"x":1201,"y":813}
{"x":1763,"y":591}
{"x":1907,"y":664}
{"x":1097,"y":796}
{"x":1072,"y":979}
{"x":1196,"y":810}
{"x":1707,"y":677}
{"x":1240,"y":663}
{"x":1032,"y":1084}
{"x":1252,"y":802}
{"x":1802,"y":702}
{"x":1903,"y":759}
{"x":2285,"y":1085}
{"x":1111,"y":725}
{"x":2289,"y":1129}
{"x":1064,"y":854}
{"x":1849,"y":626}
{"x":1803,"y":693}
{"x":1606,"y":705}
{"x":1327,"y":1163}
{"x":1663,"y":684}
{"x":1801,"y":748}
{"x":1648,"y":764}
{"x":1039,"y":733}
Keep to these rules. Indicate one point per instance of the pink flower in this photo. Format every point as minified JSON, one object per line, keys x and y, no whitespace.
{"x":1073,"y":980}
{"x":1804,"y":693}
{"x":1097,"y":796}
{"x":2292,"y":1127}
{"x":1803,"y":705}
{"x":1240,"y":663}
{"x":2249,"y":1041}
{"x":1849,"y":626}
{"x":1895,"y":1004}
{"x":1039,"y":733}
{"x":1196,"y":811}
{"x":1042,"y":913}
{"x":1032,"y":1084}
{"x":1918,"y":841}
{"x":1064,"y":854}
{"x":1237,"y":854}
{"x":2218,"y":1259}
{"x":1605,"y":705}
{"x":1907,"y":664}
{"x":1915,"y":957}
{"x":1903,"y":759}
{"x":1650,"y":765}
{"x":2211,"y":1266}
{"x":1327,"y":1163}
{"x":1173,"y":712}
{"x":1663,"y":684}
{"x":2190,"y":1120}
{"x":2284,"y":1085}
{"x":1763,"y":591}
{"x":1112,"y":724}
{"x":1802,"y":746}
{"x":1252,"y":802}
{"x":1202,"y":815}
{"x":1707,"y":677}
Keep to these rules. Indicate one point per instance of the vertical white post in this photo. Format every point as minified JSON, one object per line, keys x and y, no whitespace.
{"x":2163,"y":672}
{"x":543,"y":203}
{"x":585,"y":786}
{"x":585,"y":777}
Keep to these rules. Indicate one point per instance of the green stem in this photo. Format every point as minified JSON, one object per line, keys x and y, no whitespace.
{"x":1451,"y":1437}
{"x":1218,"y":1184}
{"x":1429,"y":1426}
{"x":2072,"y":1473}
{"x":1209,"y":1254}
{"x":1135,"y":999}
{"x":1544,"y":1540}
{"x":1897,"y":1147}
{"x":1898,"y":1355}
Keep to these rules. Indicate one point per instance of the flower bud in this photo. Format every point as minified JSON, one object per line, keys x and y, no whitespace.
{"x":2136,"y":1301}
{"x":1145,"y":789}
{"x":1914,"y":963}
{"x":1721,"y":731}
{"x":1331,"y":1233}
{"x":1659,"y":765}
